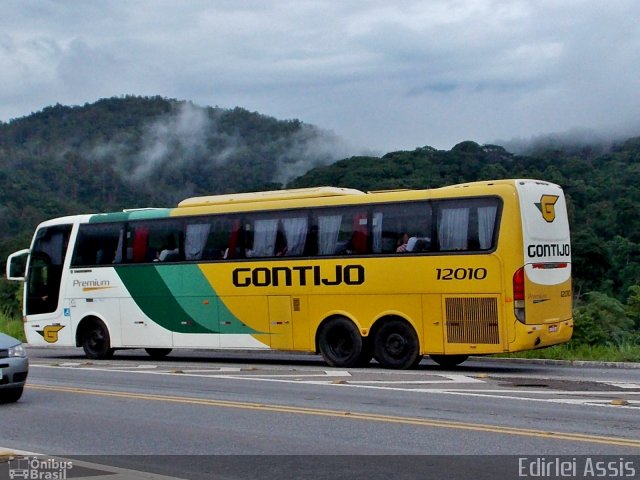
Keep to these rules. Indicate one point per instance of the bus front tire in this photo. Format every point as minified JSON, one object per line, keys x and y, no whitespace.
{"x":449,"y":361}
{"x":396,"y":345}
{"x":158,"y":352}
{"x":96,"y":342}
{"x":340,"y":343}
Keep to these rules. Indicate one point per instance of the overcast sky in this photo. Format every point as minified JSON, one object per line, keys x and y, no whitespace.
{"x":382,"y":75}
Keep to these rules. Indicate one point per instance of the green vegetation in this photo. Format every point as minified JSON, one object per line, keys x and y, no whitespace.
{"x":11,"y":326}
{"x":571,"y":351}
{"x":134,"y":152}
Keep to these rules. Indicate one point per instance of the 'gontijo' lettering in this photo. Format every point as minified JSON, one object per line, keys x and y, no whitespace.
{"x":549,"y":250}
{"x":302,"y":275}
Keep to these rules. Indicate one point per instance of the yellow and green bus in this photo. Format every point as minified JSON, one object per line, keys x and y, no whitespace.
{"x":470,"y":269}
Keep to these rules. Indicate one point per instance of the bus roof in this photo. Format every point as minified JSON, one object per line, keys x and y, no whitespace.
{"x":250,"y":197}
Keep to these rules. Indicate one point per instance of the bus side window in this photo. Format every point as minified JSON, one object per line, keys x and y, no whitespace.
{"x":394,"y":225}
{"x":98,"y":244}
{"x":149,"y":241}
{"x":467,"y":225}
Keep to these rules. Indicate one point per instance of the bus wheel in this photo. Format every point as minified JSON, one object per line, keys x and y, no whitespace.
{"x":158,"y":352}
{"x":449,"y":360}
{"x":396,"y":345}
{"x":340,"y":343}
{"x":96,"y":342}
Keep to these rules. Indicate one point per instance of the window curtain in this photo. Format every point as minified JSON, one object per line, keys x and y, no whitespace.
{"x":118,"y":258}
{"x":264,"y":238}
{"x":329,"y":228}
{"x":195,"y":240}
{"x":295,"y":229}
{"x":140,"y":242}
{"x":453,"y":228}
{"x":377,"y":232}
{"x":486,"y":222}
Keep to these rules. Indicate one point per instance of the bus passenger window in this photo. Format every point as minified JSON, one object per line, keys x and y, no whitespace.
{"x":467,"y":225}
{"x":151,"y":241}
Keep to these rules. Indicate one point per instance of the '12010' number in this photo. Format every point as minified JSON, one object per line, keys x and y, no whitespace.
{"x":461,"y":273}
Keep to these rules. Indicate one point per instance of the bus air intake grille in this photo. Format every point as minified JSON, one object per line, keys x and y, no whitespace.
{"x":472,"y":320}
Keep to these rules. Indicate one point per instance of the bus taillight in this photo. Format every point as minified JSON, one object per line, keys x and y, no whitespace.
{"x":518,"y":294}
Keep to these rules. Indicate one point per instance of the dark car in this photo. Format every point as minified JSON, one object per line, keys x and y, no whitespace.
{"x":14,"y":367}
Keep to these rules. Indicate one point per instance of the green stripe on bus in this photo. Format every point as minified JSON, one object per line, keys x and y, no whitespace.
{"x":197,"y":297}
{"x":142,"y":214}
{"x":156,"y":300}
{"x":179,"y":298}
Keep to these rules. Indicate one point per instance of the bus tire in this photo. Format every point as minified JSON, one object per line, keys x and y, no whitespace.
{"x":95,"y":340}
{"x":449,"y":361}
{"x":340,"y":343}
{"x":158,"y":352}
{"x":367,"y":353}
{"x":396,"y":345}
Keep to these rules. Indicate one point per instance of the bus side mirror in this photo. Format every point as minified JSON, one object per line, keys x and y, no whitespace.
{"x":17,"y":265}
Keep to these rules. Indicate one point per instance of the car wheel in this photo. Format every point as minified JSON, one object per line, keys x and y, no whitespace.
{"x":11,"y":395}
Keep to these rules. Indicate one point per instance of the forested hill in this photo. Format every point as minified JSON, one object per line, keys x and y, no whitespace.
{"x":603,"y":191}
{"x":137,"y":152}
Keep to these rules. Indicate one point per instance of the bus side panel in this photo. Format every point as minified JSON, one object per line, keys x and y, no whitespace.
{"x":433,"y":324}
{"x":49,"y":330}
{"x":365,"y":310}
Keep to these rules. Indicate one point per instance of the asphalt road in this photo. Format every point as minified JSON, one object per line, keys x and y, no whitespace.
{"x":190,"y":415}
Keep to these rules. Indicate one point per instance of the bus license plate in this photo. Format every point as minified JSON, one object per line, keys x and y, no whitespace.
{"x":553,"y":328}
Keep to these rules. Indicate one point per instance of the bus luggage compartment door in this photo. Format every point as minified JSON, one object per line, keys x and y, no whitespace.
{"x":280,"y":322}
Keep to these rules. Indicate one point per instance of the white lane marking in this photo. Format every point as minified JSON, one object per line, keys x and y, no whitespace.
{"x":449,"y":378}
{"x":484,"y":393}
{"x":625,"y":385}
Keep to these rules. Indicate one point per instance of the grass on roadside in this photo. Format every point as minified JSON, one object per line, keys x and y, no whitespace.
{"x":601,"y":353}
{"x":11,"y":326}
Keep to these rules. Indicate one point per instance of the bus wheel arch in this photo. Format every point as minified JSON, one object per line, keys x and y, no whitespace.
{"x":395,"y":342}
{"x":340,"y":343}
{"x":93,"y":336}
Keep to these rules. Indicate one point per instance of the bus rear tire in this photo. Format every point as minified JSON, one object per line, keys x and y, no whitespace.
{"x":396,"y":345}
{"x":95,"y":340}
{"x":449,"y":361}
{"x":340,"y":343}
{"x":158,"y":352}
